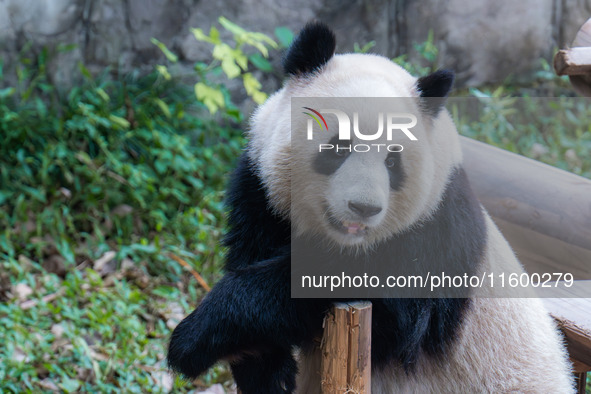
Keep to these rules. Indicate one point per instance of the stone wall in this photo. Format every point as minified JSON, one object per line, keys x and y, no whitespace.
{"x":484,"y":41}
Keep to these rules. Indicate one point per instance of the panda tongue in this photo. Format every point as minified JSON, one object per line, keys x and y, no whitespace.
{"x":352,"y":228}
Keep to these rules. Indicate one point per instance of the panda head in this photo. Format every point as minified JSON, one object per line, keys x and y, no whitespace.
{"x":353,"y":199}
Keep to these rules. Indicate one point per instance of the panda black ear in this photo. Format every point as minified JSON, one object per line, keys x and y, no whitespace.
{"x":435,"y":88}
{"x":311,"y":49}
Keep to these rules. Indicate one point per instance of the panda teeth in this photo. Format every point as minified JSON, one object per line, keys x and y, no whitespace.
{"x":354,"y":227}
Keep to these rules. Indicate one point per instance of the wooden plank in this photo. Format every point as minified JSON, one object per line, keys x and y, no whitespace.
{"x":571,"y":309}
{"x":580,"y":371}
{"x":579,"y":367}
{"x":547,"y":210}
{"x":582,"y":83}
{"x":542,"y":253}
{"x":574,"y":320}
{"x":335,"y":347}
{"x":573,"y":61}
{"x":359,"y":370}
{"x":346,"y":349}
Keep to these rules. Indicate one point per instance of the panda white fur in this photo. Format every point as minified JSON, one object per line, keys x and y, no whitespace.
{"x":418,"y":345}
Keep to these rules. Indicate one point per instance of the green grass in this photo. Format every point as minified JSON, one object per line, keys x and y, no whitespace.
{"x":97,"y":333}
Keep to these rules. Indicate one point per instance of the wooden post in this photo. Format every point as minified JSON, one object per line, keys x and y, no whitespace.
{"x":576,"y":61}
{"x":346,"y":349}
{"x":580,"y":370}
{"x":581,"y":382}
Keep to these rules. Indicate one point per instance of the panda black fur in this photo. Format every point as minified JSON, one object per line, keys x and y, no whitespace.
{"x":418,"y":345}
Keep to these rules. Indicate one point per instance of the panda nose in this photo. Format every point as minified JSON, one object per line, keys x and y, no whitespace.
{"x":364,"y":210}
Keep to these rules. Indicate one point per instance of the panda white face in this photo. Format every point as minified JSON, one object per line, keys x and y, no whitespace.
{"x":354,"y":199}
{"x":357,"y":191}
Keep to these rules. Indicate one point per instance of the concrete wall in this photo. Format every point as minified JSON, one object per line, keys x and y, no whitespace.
{"x":484,"y":41}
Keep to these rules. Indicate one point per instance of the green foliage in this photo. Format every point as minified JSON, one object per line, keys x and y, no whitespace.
{"x":425,"y":61}
{"x":119,"y":164}
{"x":89,"y":332}
{"x":554,"y":130}
{"x":82,"y":340}
{"x":284,"y":35}
{"x":123,"y":161}
{"x":234,"y":59}
{"x":365,"y":48}
{"x":509,"y":116}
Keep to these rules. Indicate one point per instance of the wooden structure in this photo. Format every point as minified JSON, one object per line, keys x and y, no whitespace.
{"x":346,"y":349}
{"x":576,"y":61}
{"x":574,"y":315}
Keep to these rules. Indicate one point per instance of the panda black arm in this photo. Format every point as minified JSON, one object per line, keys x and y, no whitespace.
{"x":273,"y":371}
{"x":255,"y":233}
{"x":249,"y":315}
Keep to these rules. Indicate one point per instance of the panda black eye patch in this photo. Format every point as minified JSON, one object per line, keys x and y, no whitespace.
{"x":393,"y":163}
{"x":328,"y":161}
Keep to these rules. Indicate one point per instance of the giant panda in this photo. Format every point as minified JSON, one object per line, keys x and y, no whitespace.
{"x":420,"y":205}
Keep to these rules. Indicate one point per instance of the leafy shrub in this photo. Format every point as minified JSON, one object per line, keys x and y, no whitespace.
{"x":554,"y":130}
{"x":427,"y":57}
{"x":127,"y":170}
{"x":112,"y":164}
{"x":125,"y":161}
{"x":234,"y":60}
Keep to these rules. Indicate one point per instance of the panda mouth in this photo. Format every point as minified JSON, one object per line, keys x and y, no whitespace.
{"x":354,"y":228}
{"x":348,"y":227}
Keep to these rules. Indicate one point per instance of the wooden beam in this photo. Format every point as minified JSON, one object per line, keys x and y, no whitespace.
{"x":573,"y":61}
{"x":581,"y":82}
{"x":346,"y":349}
{"x":583,"y":37}
{"x":544,"y":212}
{"x":579,"y":367}
{"x":581,"y":382}
{"x":581,"y":371}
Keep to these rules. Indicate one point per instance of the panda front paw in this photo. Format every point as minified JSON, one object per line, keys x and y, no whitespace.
{"x":188,"y":352}
{"x":269,"y":373}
